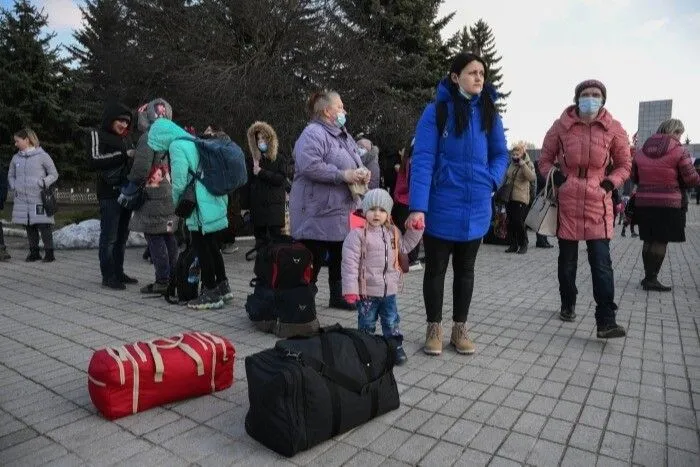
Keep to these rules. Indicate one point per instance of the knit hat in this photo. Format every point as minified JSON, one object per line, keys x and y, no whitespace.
{"x":590,"y":83}
{"x":377,"y":198}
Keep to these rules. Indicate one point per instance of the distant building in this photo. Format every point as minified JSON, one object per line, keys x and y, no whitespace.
{"x":651,"y":114}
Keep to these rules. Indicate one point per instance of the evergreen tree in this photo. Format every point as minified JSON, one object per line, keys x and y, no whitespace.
{"x":101,"y":52}
{"x":481,"y":41}
{"x":35,"y":80}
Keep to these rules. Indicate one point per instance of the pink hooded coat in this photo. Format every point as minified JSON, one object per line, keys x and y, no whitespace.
{"x":583,"y":152}
{"x":377,"y":275}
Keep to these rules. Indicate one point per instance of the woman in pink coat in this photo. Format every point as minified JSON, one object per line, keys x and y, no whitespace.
{"x":662,"y":170}
{"x":593,"y":154}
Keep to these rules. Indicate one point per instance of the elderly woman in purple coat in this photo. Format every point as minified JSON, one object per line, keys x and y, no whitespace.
{"x":326,"y":161}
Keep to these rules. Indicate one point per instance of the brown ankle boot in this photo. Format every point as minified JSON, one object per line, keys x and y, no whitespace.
{"x":433,"y":339}
{"x":461,"y":340}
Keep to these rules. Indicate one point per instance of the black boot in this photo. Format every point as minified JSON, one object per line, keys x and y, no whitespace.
{"x":567,"y":312}
{"x":336,"y":297}
{"x":522,"y":250}
{"x":652,"y":283}
{"x":512,"y":249}
{"x":48,"y":256}
{"x":33,"y":255}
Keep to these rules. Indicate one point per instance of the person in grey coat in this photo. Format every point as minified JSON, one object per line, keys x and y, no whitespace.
{"x":4,"y":255}
{"x":156,"y":217}
{"x":31,"y":169}
{"x":326,"y":161}
{"x":369,"y":154}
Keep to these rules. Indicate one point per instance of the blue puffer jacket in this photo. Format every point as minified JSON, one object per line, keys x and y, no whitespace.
{"x":453,"y":178}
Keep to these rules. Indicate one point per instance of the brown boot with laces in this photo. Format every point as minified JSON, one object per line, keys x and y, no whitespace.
{"x":460,"y":339}
{"x":433,"y":339}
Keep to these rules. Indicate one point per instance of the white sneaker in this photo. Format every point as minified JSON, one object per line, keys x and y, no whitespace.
{"x":415,"y":267}
{"x":229,"y":249}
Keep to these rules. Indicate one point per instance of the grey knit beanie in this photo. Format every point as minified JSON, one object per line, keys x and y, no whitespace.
{"x":377,"y":198}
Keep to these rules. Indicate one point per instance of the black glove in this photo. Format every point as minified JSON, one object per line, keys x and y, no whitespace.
{"x":558,"y":178}
{"x":607,"y":185}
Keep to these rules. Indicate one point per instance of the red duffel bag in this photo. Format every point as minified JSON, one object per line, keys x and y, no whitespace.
{"x":135,"y":377}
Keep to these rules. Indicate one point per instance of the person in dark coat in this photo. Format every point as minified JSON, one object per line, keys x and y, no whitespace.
{"x":156,"y":217}
{"x":264,"y":195}
{"x":112,"y":148}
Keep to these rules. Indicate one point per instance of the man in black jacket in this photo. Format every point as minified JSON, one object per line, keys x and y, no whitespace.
{"x":112,"y":148}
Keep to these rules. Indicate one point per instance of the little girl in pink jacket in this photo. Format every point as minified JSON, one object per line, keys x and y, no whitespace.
{"x":371,"y":268}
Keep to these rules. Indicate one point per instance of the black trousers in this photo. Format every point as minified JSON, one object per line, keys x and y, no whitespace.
{"x":265,"y":233}
{"x":211,"y":261}
{"x":319,"y":249}
{"x":516,"y":212}
{"x":437,"y":256}
{"x":399,"y":215}
{"x":33,"y":232}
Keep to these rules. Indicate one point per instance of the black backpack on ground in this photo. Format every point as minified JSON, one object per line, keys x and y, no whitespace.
{"x":283,"y":264}
{"x":184,"y":284}
{"x":308,"y":390}
{"x":283,"y":312}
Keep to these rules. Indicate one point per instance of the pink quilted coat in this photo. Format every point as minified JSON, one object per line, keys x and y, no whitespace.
{"x":583,"y":152}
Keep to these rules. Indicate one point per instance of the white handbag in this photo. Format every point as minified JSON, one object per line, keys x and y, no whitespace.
{"x":543,"y":217}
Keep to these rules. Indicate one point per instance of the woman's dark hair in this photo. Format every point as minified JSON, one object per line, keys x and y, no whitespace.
{"x":407,"y":154}
{"x":488,"y":107}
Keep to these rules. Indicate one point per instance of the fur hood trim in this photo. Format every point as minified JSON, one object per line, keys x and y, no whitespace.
{"x":270,"y":136}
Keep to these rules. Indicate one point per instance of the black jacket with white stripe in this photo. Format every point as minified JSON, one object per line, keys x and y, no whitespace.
{"x":108,"y":151}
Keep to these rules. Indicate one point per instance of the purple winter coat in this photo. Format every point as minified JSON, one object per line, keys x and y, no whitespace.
{"x":320,"y":201}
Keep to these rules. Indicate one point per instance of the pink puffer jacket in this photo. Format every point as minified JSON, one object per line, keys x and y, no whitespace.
{"x":375,"y":272}
{"x":583,"y":152}
{"x":658,"y":168}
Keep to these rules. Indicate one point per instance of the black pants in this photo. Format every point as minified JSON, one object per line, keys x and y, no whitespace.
{"x":265,"y":233}
{"x":211,"y":261}
{"x":516,"y":212}
{"x":437,"y":256}
{"x":399,"y":215}
{"x":2,"y":236}
{"x":319,"y":249}
{"x":33,"y":232}
{"x":602,"y":277}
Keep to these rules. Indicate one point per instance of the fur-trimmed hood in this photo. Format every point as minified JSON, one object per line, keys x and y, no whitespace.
{"x":148,"y":116}
{"x":270,"y":136}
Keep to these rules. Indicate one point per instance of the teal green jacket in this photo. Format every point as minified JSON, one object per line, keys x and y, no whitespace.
{"x":210,"y":215}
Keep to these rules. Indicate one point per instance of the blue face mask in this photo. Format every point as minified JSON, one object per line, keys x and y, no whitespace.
{"x":340,"y":120}
{"x":589,"y":105}
{"x":262,"y":146}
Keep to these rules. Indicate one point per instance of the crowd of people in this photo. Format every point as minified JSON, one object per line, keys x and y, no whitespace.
{"x":441,"y":194}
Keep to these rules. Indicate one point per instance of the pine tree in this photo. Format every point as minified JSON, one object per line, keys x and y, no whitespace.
{"x":481,"y":42}
{"x":35,"y":79}
{"x":100,"y":52}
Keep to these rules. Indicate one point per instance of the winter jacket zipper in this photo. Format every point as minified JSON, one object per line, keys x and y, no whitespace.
{"x":386,"y":261}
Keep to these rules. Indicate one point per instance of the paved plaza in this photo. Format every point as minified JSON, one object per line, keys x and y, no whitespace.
{"x":537,"y":392}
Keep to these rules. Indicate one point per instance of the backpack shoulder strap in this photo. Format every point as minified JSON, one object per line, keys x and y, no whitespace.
{"x":441,"y":117}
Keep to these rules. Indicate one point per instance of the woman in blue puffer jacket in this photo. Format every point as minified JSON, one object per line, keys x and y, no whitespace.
{"x":454,"y":172}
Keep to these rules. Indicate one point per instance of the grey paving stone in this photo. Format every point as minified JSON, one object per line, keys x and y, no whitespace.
{"x":651,"y":430}
{"x":680,"y":416}
{"x":648,"y":453}
{"x":363,"y":435}
{"x":504,"y":417}
{"x":456,"y":407}
{"x":41,"y":456}
{"x":566,"y":410}
{"x":17,"y":437}
{"x":617,"y":446}
{"x":414,"y":449}
{"x":679,"y":457}
{"x":488,"y":439}
{"x":586,"y":437}
{"x":157,"y":456}
{"x":517,"y":447}
{"x":622,"y":423}
{"x":574,"y":457}
{"x":365,"y":459}
{"x":593,"y":416}
{"x":471,"y":457}
{"x":389,"y":441}
{"x":518,"y":400}
{"x":683,"y":438}
{"x":542,"y":405}
{"x":335,"y":456}
{"x":462,"y":432}
{"x":442,"y":453}
{"x":530,"y":423}
{"x":413,"y":419}
{"x":653,"y":410}
{"x":546,"y":454}
{"x":480,"y":411}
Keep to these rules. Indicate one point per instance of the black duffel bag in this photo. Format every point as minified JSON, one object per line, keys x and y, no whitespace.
{"x":307,"y":390}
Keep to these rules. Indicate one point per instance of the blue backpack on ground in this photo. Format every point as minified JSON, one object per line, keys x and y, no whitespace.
{"x":222,"y":168}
